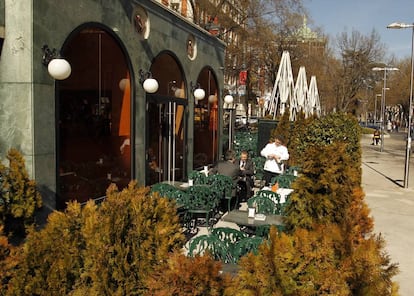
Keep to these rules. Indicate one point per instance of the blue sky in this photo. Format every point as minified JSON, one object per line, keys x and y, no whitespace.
{"x":336,"y":16}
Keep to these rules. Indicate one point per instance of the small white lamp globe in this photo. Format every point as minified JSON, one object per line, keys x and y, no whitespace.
{"x":199,"y":94}
{"x":228,"y":99}
{"x":179,"y":93}
{"x":212,"y":99}
{"x":123,"y":83}
{"x":59,"y":69}
{"x":150,"y":85}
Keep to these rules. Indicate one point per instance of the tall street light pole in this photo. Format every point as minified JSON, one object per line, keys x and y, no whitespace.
{"x":385,"y":69}
{"x":228,"y":101}
{"x":375,"y":112}
{"x":410,"y":111}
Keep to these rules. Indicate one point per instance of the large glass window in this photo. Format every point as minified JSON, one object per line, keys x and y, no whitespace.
{"x":206,"y":122}
{"x":94,"y":118}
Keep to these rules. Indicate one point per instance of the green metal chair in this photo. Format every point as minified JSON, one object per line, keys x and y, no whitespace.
{"x":224,"y":188}
{"x":201,"y":200}
{"x":259,"y":162}
{"x":163,"y":189}
{"x":211,"y":244}
{"x":228,"y":235}
{"x":246,"y":245}
{"x":266,"y":202}
{"x":198,"y":177}
{"x":225,"y":244}
{"x":284,"y":180}
{"x":179,"y":196}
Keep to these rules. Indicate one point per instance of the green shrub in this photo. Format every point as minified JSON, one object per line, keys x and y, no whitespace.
{"x":333,"y":128}
{"x":323,"y":191}
{"x":283,"y":128}
{"x":367,"y":130}
{"x":19,"y":198}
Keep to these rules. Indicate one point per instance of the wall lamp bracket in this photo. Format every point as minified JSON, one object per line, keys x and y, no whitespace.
{"x":49,"y":54}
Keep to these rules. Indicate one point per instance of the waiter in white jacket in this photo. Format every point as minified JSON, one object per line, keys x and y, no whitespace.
{"x":275,"y":153}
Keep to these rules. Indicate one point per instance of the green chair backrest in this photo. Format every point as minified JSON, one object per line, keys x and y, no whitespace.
{"x":247,"y":245}
{"x":228,"y":235}
{"x":201,"y":197}
{"x":284,"y":180}
{"x":198,"y":177}
{"x":225,"y":244}
{"x":266,"y":202}
{"x":221,"y":184}
{"x":211,"y":244}
{"x":259,"y":162}
{"x":164,"y":189}
{"x":292,"y":169}
{"x":179,"y":196}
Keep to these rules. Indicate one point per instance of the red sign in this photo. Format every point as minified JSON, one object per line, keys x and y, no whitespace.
{"x":242,"y":77}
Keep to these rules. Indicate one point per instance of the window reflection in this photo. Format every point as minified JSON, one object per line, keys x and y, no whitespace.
{"x":94,"y":124}
{"x":206,"y":122}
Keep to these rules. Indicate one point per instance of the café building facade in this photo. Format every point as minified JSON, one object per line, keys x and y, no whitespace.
{"x":99,"y":92}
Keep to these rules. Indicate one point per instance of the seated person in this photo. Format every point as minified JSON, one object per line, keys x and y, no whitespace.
{"x":227,"y":167}
{"x":246,"y":172}
{"x":376,"y":137}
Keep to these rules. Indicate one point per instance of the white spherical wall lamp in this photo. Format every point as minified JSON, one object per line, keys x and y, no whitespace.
{"x":123,"y":83}
{"x":212,"y":99}
{"x":199,"y":94}
{"x":228,"y":99}
{"x":149,"y":84}
{"x":57,"y":67}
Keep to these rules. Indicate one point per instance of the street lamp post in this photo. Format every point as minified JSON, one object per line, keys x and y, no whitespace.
{"x":228,"y":101}
{"x":375,"y":111}
{"x":385,"y":69}
{"x":410,"y":111}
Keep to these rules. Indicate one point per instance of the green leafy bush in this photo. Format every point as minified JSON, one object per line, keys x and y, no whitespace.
{"x":323,"y":191}
{"x":19,"y":198}
{"x":333,"y":128}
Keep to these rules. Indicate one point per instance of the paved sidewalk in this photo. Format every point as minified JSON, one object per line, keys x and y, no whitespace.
{"x":392,"y":206}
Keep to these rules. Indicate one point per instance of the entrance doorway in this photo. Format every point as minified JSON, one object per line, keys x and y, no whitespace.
{"x":165,"y":144}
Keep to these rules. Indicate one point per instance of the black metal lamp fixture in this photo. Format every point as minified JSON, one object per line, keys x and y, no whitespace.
{"x":149,"y":84}
{"x":57,"y":67}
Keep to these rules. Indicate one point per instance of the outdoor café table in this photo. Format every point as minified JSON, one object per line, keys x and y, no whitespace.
{"x":241,"y":218}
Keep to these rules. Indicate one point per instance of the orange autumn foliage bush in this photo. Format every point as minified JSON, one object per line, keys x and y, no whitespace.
{"x":98,"y":250}
{"x":187,"y":276}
